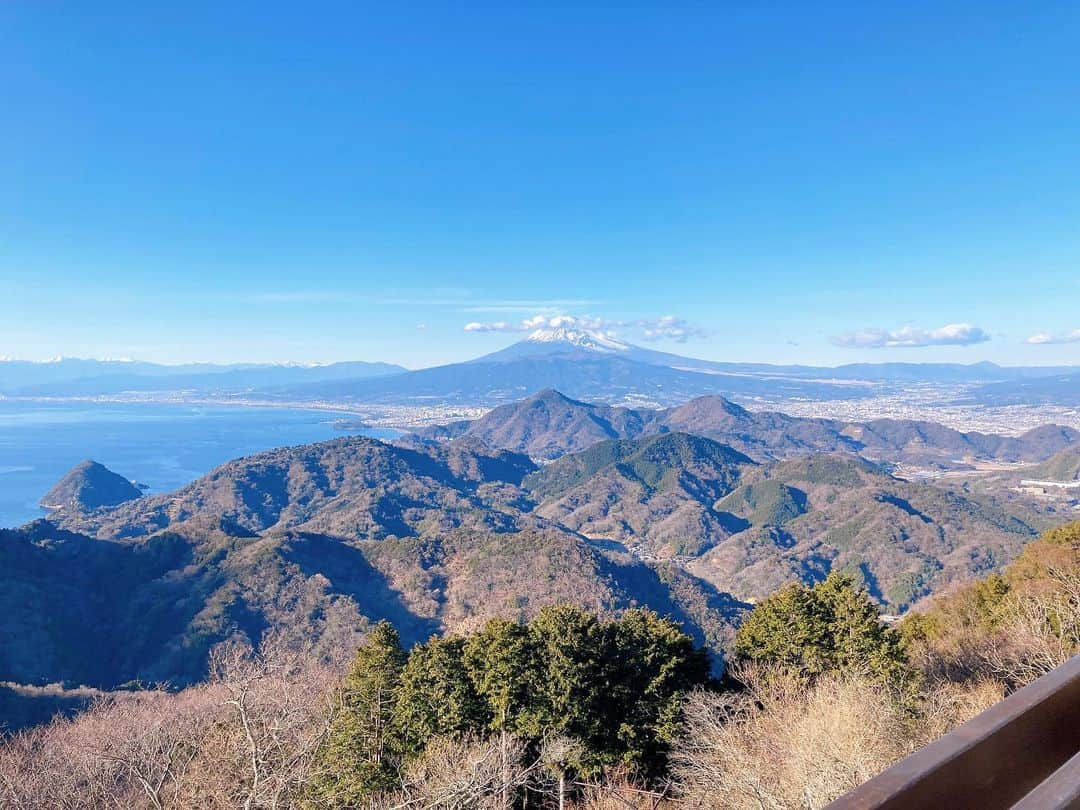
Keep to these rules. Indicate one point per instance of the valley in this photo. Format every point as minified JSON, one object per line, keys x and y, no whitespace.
{"x":470,"y":508}
{"x":696,"y":511}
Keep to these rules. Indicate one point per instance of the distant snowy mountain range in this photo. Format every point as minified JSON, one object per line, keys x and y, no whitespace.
{"x":583,"y":363}
{"x":71,"y":376}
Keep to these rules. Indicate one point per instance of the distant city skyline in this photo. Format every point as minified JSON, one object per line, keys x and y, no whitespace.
{"x":763,"y":183}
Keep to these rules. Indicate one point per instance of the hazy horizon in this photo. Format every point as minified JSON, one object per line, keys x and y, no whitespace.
{"x":682,"y":350}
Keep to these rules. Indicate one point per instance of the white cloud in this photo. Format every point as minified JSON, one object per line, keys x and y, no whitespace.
{"x":537,"y":322}
{"x":1043,"y":338}
{"x":953,"y":334}
{"x":668,"y":327}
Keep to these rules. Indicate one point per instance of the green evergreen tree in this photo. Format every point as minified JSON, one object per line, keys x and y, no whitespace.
{"x":583,"y":694}
{"x":652,"y":663}
{"x":789,"y":630}
{"x":862,"y":643}
{"x":358,"y":758}
{"x":436,"y":696}
{"x":831,"y":627}
{"x":499,"y":661}
{"x":568,"y":685}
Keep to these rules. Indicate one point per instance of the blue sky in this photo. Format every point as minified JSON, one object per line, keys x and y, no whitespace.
{"x":821,"y":183}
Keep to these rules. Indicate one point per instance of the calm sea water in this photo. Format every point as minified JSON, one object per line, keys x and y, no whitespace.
{"x":163,"y":446}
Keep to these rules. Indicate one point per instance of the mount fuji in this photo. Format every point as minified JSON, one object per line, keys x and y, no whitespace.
{"x":562,"y":340}
{"x":566,"y":341}
{"x":582,"y":363}
{"x":591,"y":340}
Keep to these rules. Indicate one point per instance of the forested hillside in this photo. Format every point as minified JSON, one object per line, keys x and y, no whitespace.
{"x":568,"y":710}
{"x":316,"y":543}
{"x":549,"y":424}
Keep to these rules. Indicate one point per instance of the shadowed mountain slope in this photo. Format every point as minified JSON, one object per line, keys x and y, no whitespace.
{"x":310,"y":544}
{"x":79,"y":610}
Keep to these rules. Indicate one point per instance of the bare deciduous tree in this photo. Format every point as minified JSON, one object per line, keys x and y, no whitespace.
{"x":468,"y":774}
{"x":244,"y":739}
{"x":275,"y":712}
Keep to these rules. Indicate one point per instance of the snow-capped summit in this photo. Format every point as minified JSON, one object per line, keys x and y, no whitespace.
{"x":589,"y":339}
{"x":574,"y":342}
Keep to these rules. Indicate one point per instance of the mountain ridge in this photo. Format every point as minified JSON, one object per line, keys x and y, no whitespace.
{"x":80,"y":377}
{"x":584,"y":363}
{"x":317,"y":542}
{"x":592,"y":364}
{"x":549,"y":424}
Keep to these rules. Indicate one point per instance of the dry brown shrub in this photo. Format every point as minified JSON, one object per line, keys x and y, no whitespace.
{"x":780,"y":745}
{"x":1013,"y":628}
{"x":1035,"y":630}
{"x":133,"y":750}
{"x":272,"y":716}
{"x":1039,"y":630}
{"x":946,"y":705}
{"x":618,"y":791}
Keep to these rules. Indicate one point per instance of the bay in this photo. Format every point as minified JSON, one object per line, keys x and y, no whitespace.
{"x":163,"y":446}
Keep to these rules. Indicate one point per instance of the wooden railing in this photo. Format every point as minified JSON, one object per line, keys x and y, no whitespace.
{"x":1021,"y":754}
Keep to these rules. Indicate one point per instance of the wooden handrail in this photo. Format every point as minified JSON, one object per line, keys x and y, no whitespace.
{"x":1025,"y":743}
{"x":1060,"y":791}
